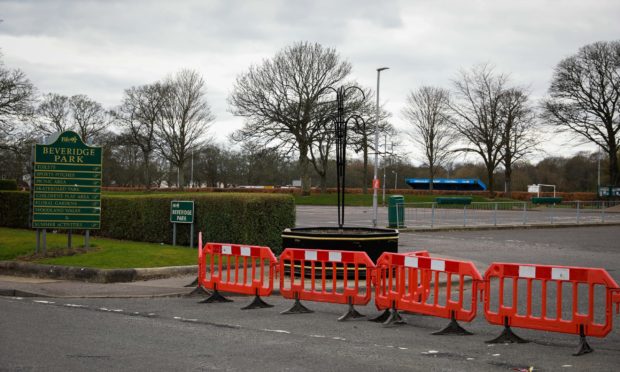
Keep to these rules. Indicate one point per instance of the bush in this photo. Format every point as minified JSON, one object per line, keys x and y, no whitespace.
{"x":14,"y":209}
{"x":8,"y":184}
{"x":256,"y":219}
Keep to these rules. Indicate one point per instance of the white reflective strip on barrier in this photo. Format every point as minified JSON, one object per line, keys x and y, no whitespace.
{"x":527,"y":271}
{"x":246,"y":251}
{"x":335,"y":256}
{"x":226,"y":249}
{"x":411,"y":262}
{"x":438,"y":265}
{"x":310,"y":255}
{"x":560,"y":274}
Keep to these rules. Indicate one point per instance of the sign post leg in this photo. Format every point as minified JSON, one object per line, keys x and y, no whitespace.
{"x":191,"y":236}
{"x":38,"y":241}
{"x":174,"y":234}
{"x":44,"y":249}
{"x":69,"y":236}
{"x":87,"y":239}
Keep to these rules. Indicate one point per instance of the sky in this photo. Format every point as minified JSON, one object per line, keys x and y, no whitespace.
{"x":100,"y":48}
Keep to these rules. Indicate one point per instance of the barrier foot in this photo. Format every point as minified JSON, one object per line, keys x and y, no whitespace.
{"x":454,"y":328}
{"x":192,"y":284}
{"x":351,"y":314}
{"x":257,"y":303}
{"x":394,"y":318}
{"x":507,"y":336}
{"x":584,"y":347}
{"x":216,"y":296}
{"x":199,"y":291}
{"x":297,"y":308}
{"x":382,"y":317}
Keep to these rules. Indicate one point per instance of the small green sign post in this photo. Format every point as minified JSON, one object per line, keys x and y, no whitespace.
{"x":182,"y":211}
{"x":66,"y":186}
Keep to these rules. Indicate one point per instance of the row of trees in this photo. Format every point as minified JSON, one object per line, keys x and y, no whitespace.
{"x":288,"y":112}
{"x":496,"y":120}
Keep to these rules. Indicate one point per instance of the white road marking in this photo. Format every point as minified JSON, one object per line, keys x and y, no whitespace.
{"x":276,"y":331}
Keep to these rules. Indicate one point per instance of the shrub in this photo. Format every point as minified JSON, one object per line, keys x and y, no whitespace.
{"x":256,"y":219}
{"x":8,"y":184}
{"x":14,"y":209}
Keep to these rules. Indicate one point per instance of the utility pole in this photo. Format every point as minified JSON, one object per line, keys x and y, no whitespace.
{"x":375,"y":179}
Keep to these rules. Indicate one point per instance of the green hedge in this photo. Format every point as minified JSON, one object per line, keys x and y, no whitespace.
{"x":14,"y":209}
{"x":222,"y":217}
{"x":8,"y":184}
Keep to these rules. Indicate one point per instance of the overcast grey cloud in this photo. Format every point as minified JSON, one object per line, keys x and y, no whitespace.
{"x":100,"y":48}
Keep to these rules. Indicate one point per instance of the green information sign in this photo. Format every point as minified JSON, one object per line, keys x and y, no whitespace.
{"x":66,"y":184}
{"x":181,"y":211}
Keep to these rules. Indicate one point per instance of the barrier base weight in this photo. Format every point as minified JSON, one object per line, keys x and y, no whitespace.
{"x":351,"y":314}
{"x":297,"y":308}
{"x":216,"y":296}
{"x":507,"y":336}
{"x":394,"y":319}
{"x":192,"y":284}
{"x":454,"y":328}
{"x":381,"y":317}
{"x":584,"y":347}
{"x":257,"y":303}
{"x":199,"y":291}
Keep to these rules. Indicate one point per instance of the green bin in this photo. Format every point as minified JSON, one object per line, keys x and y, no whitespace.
{"x":396,"y":211}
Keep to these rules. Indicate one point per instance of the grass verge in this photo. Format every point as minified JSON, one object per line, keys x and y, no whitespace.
{"x":104,"y":253}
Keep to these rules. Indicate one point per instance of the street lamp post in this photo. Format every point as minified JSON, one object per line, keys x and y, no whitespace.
{"x":395,"y":179}
{"x":375,"y":180}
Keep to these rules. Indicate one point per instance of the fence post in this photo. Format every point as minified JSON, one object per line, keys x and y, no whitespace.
{"x":578,"y":212}
{"x":464,"y":215}
{"x":603,"y":212}
{"x":433,"y":215}
{"x":552,"y":212}
{"x":495,"y":215}
{"x":524,"y":213}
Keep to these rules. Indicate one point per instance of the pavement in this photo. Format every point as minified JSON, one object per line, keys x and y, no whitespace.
{"x":17,"y":286}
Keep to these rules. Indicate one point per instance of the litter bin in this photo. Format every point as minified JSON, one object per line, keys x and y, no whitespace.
{"x":396,"y":211}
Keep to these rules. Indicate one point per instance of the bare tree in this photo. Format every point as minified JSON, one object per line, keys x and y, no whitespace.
{"x":519,"y":123}
{"x":54,"y":113}
{"x":278,"y":99}
{"x":477,"y":115}
{"x":16,"y":103}
{"x":185,"y":119}
{"x":584,"y":99}
{"x":89,"y":117}
{"x":139,"y":112}
{"x":362,"y":133}
{"x":428,"y":112}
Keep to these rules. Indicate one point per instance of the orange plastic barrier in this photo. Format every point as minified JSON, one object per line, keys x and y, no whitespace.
{"x":384,"y":277}
{"x":411,"y":282}
{"x":560,"y":310}
{"x":244,"y":269}
{"x":314,"y":276}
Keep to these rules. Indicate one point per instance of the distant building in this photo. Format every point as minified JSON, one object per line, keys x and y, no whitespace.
{"x":453,"y":184}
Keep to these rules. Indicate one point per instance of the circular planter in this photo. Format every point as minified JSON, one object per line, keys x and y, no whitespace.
{"x":373,"y":241}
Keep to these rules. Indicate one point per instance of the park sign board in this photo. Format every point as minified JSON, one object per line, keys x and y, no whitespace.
{"x":181,"y":211}
{"x":66,"y":187}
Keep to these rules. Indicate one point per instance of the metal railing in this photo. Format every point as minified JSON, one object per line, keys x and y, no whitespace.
{"x":432,"y":215}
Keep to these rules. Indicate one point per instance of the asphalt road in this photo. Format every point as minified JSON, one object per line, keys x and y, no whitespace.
{"x":181,"y":334}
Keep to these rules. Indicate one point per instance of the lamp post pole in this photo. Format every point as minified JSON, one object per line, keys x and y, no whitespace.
{"x":375,"y":180}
